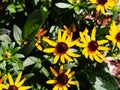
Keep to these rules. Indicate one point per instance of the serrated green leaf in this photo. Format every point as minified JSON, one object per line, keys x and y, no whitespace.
{"x":17,"y":34}
{"x":34,"y":22}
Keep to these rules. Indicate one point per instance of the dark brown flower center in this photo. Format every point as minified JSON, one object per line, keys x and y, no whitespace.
{"x":93,"y":46}
{"x":7,"y":55}
{"x":61,"y":47}
{"x":118,"y":37}
{"x":12,"y":87}
{"x":102,"y":2}
{"x":62,"y":79}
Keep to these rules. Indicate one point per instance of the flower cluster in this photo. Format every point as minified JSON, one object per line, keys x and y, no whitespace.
{"x":91,"y":48}
{"x":17,"y":85}
{"x":60,"y":44}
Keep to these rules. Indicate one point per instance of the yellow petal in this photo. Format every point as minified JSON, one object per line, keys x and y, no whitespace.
{"x":59,"y":36}
{"x":68,"y":71}
{"x":21,"y":82}
{"x":103,"y":10}
{"x":51,"y":82}
{"x":2,"y":79}
{"x":113,"y":28}
{"x":103,"y":48}
{"x":93,"y":1}
{"x":53,"y":71}
{"x":18,"y":78}
{"x":41,"y":33}
{"x":64,"y":35}
{"x":56,"y":59}
{"x":10,"y":79}
{"x":81,"y":45}
{"x":86,"y":35}
{"x":93,"y":34}
{"x":73,"y":54}
{"x":85,"y":52}
{"x":119,"y":27}
{"x":82,"y":38}
{"x":56,"y":87}
{"x":100,"y":55}
{"x":67,"y":29}
{"x":61,"y":88}
{"x":109,"y":37}
{"x":49,"y":50}
{"x":118,"y":44}
{"x":4,"y":86}
{"x":91,"y":56}
{"x":65,"y":88}
{"x":97,"y":59}
{"x":102,"y":42}
{"x":68,"y":58}
{"x":71,"y":74}
{"x":61,"y":69}
{"x":62,"y":59}
{"x":72,"y":43}
{"x":69,"y":39}
{"x":52,"y":43}
{"x":24,"y":87}
{"x":38,"y":46}
{"x":72,"y":82}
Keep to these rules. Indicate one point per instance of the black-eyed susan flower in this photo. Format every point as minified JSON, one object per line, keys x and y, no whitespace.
{"x":61,"y":48}
{"x":104,"y":4}
{"x":63,"y":79}
{"x":40,"y":33}
{"x":17,"y":85}
{"x":1,"y":80}
{"x":114,"y":34}
{"x":91,"y":46}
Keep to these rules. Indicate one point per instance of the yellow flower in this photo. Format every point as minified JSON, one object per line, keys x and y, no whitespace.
{"x":114,"y":34}
{"x":1,"y":80}
{"x":61,"y":48}
{"x":91,"y":46}
{"x":15,"y":85}
{"x":63,"y":79}
{"x":40,"y":33}
{"x":104,"y":4}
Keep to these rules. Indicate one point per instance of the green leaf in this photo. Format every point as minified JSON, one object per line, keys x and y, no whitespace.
{"x":104,"y":81}
{"x":4,"y":31}
{"x":17,"y":34}
{"x":62,"y":5}
{"x":34,"y":23}
{"x":44,"y":71}
{"x":28,"y":47}
{"x":18,"y":56}
{"x":11,"y":8}
{"x":30,"y":61}
{"x":5,"y":38}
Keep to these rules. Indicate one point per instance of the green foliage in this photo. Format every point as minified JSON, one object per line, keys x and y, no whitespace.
{"x":34,"y":23}
{"x":20,"y":22}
